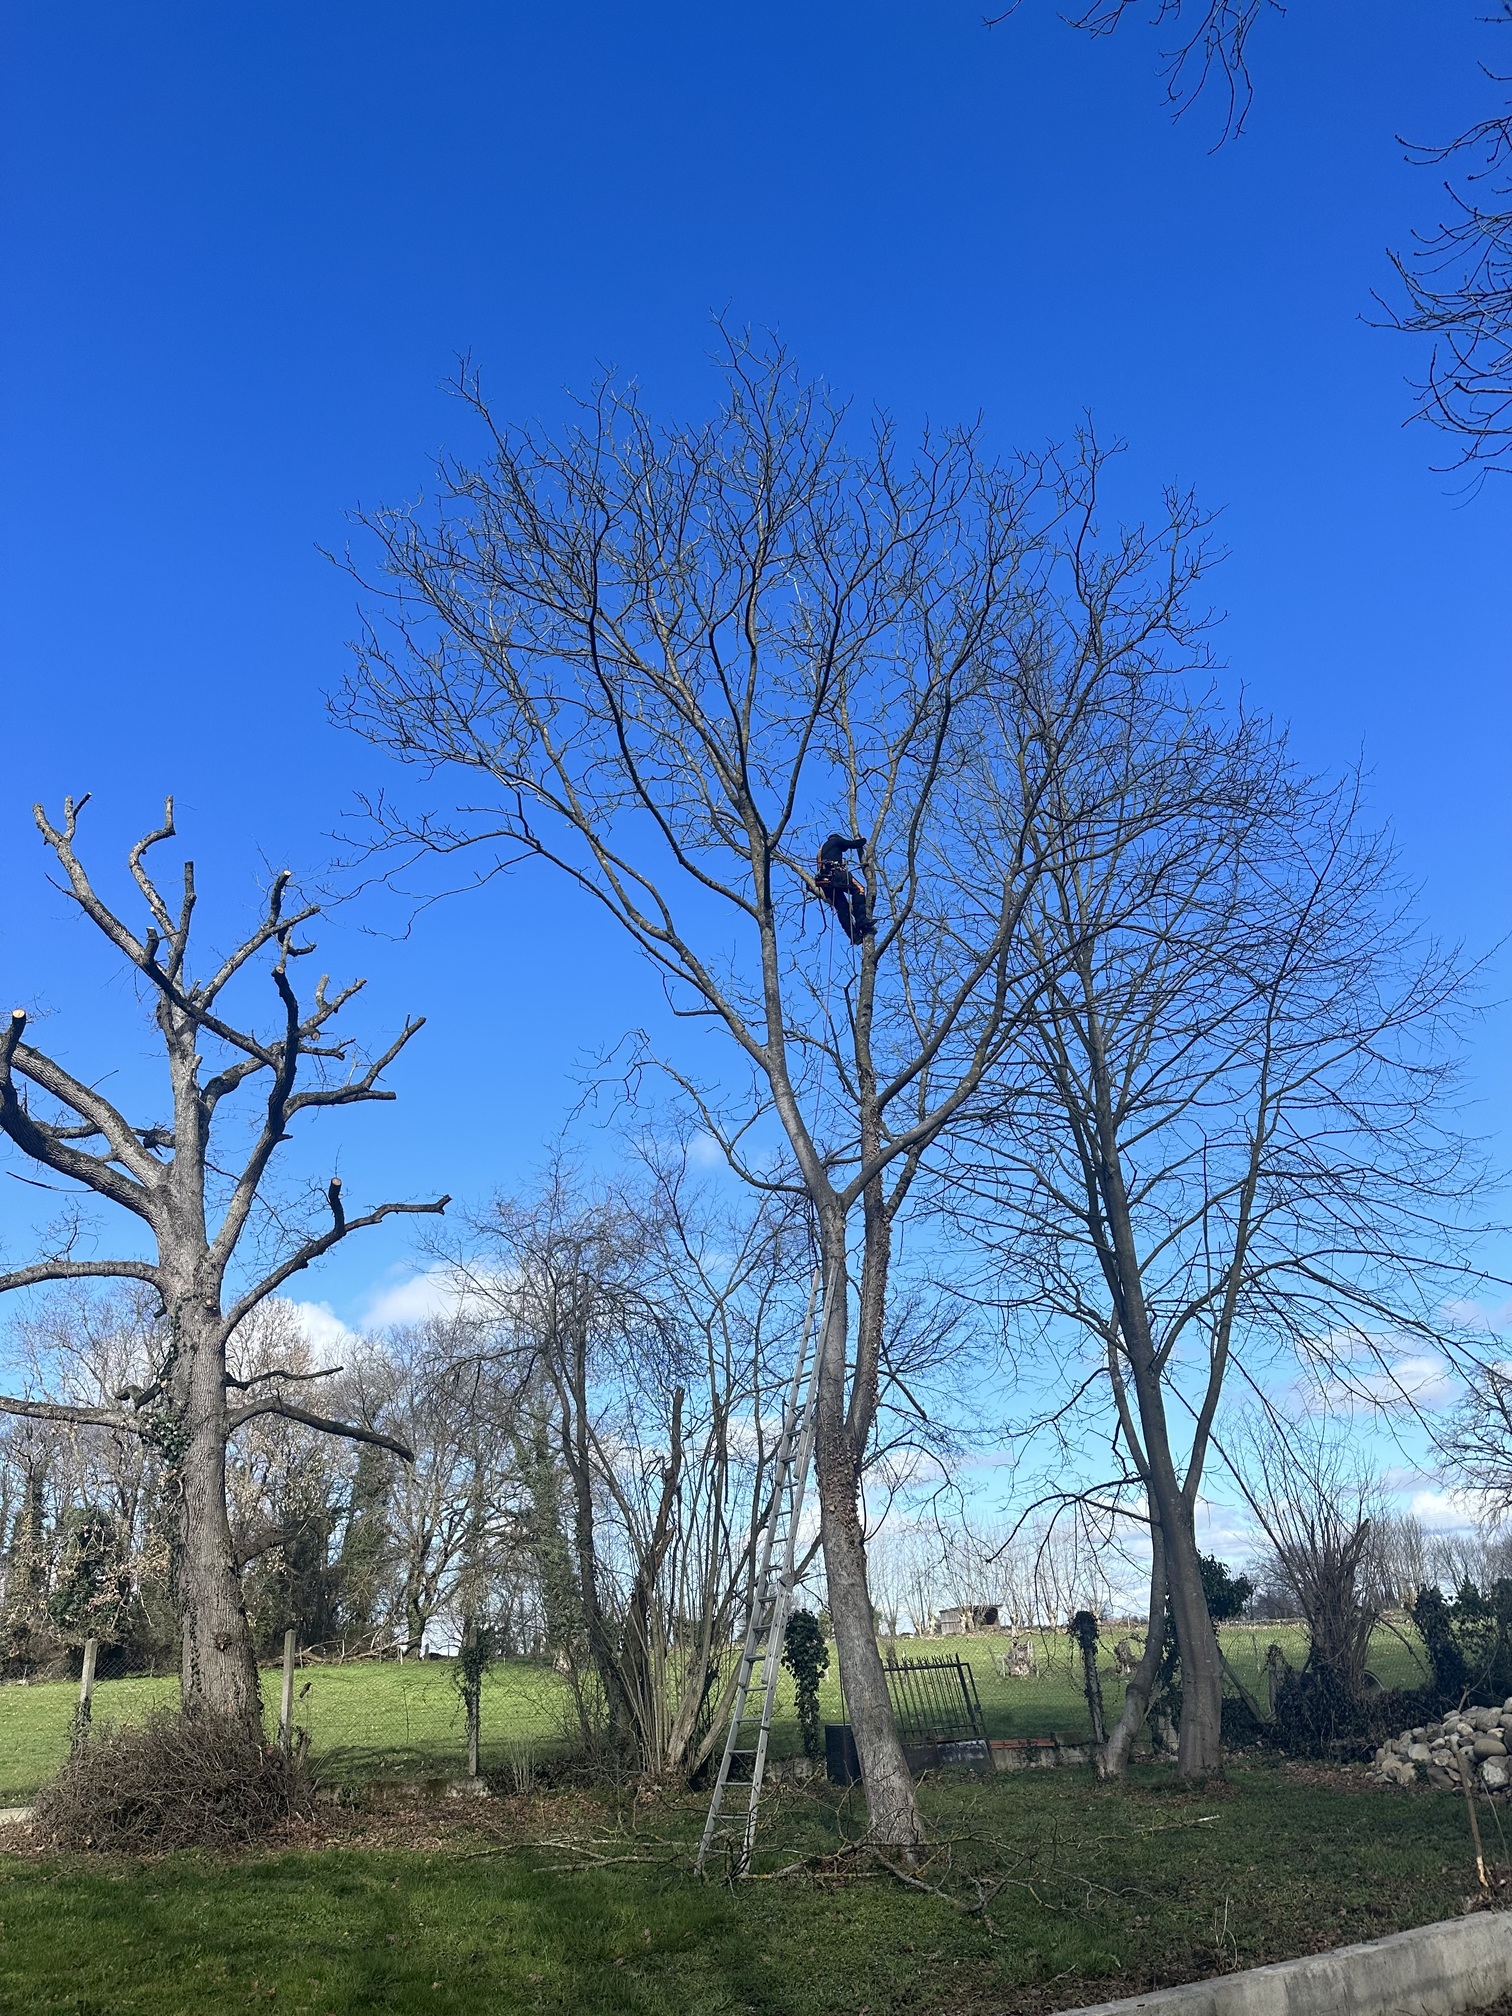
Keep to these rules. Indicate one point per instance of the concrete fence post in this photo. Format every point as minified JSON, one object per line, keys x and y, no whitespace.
{"x":286,"y":1700}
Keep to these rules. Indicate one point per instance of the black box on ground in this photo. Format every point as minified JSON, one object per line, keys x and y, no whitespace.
{"x":841,"y":1764}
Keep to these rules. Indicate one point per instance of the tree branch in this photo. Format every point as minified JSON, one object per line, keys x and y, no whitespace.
{"x":282,"y":1372}
{"x":79,"y":1417}
{"x":80,"y":1270}
{"x":286,"y":1411}
{"x":312,"y":1251}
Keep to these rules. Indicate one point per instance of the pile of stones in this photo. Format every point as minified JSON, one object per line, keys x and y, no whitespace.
{"x":1482,"y":1736}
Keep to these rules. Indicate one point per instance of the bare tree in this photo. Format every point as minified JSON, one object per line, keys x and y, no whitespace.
{"x":1236,"y":1139}
{"x":81,"y":1346}
{"x":903,"y":1561}
{"x":682,"y":658}
{"x":1317,"y":1504}
{"x":1457,"y":282}
{"x":1211,"y":40}
{"x":1397,"y":1562}
{"x":163,"y":1175}
{"x":1477,"y":1447}
{"x":454,"y":1507}
{"x":286,"y":1487}
{"x":638,"y":1324}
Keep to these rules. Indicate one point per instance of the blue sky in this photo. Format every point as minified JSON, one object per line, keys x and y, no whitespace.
{"x":242,"y":246}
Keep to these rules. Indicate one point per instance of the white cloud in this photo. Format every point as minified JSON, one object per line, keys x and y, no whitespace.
{"x":1421,"y":1379}
{"x":1399,"y":1479}
{"x":435,"y":1292}
{"x":330,"y":1340}
{"x":1450,"y":1511}
{"x":1470,"y":1315}
{"x":1226,"y":1530}
{"x":1426,"y":1380}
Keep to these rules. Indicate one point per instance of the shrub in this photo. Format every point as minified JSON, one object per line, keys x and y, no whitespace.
{"x":1469,"y":1641}
{"x":1317,"y":1716}
{"x":171,"y":1782}
{"x":1226,"y":1593}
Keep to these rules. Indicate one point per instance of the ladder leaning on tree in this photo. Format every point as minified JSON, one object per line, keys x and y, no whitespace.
{"x":771,"y":1601}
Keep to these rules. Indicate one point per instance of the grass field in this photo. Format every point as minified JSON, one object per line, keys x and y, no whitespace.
{"x":1093,"y":1892}
{"x":406,"y":1720}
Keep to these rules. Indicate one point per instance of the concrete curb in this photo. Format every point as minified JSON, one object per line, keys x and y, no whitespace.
{"x":1435,"y":1970}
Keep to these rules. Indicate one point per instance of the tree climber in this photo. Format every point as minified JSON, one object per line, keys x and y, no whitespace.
{"x":840,"y":889}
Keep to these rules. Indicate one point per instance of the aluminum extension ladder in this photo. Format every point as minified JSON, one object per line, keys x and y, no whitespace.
{"x":771,"y":1603}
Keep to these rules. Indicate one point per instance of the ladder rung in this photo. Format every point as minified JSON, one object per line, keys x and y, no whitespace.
{"x":770,"y":1598}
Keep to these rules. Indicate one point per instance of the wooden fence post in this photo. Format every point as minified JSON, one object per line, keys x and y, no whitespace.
{"x":286,"y":1703}
{"x":86,"y":1691}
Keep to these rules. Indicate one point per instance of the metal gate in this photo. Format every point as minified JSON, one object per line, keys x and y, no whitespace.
{"x":935,"y":1701}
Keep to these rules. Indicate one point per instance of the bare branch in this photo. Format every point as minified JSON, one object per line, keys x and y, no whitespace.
{"x":312,"y":1251}
{"x":140,"y":876}
{"x":282,"y":1372}
{"x":79,"y":1417}
{"x":80,"y":1270}
{"x":287,"y":1411}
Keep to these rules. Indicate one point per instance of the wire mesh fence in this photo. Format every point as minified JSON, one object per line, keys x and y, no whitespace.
{"x":404,"y":1719}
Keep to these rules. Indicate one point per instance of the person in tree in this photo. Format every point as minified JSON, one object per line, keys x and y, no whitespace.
{"x":840,"y":889}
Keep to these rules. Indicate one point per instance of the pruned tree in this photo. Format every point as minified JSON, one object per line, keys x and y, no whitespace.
{"x":1317,"y":1502}
{"x":163,"y":1175}
{"x":676,"y":660}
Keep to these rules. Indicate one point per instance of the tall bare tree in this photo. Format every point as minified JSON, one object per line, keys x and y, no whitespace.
{"x":163,"y":1175}
{"x":677,"y":659}
{"x":1235,"y":1136}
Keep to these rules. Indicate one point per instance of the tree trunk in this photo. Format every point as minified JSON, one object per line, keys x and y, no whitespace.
{"x":1200,"y":1751}
{"x":891,"y":1806}
{"x":474,"y":1706}
{"x":1113,"y":1761}
{"x":219,"y":1674}
{"x":415,"y":1619}
{"x":1092,"y":1688}
{"x":1200,"y":1748}
{"x":1201,"y":1742}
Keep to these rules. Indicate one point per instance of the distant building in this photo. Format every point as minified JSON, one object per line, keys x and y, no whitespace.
{"x":964,"y":1617}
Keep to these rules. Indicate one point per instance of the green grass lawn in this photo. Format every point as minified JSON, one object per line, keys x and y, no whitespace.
{"x":367,"y":1720}
{"x":1095,"y":1892}
{"x":395,"y":1720}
